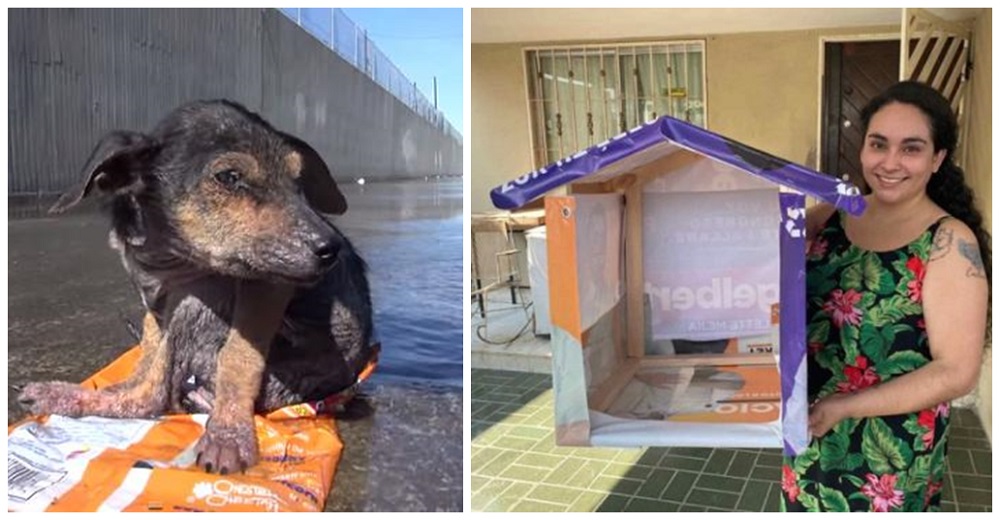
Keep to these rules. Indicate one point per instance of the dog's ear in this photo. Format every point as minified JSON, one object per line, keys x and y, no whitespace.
{"x":113,"y":165}
{"x":317,"y":184}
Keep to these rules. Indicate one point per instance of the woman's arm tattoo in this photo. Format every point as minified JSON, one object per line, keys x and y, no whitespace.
{"x":971,"y":252}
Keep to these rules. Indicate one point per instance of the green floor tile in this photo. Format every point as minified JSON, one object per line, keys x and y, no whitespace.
{"x":719,"y":499}
{"x":522,"y":473}
{"x":769,"y":459}
{"x":697,"y":453}
{"x":655,"y":484}
{"x":566,"y":469}
{"x":609,"y":484}
{"x":766,"y":473}
{"x":556,"y":494}
{"x":742,"y":464}
{"x":540,"y":460}
{"x":510,"y":496}
{"x":617,"y":469}
{"x":483,"y":456}
{"x":613,"y":503}
{"x":630,"y":456}
{"x":603,"y":454}
{"x":517,"y":466}
{"x":691,"y":508}
{"x":949,"y":507}
{"x":481,"y":497}
{"x":648,"y":505}
{"x":514,"y":443}
{"x":718,"y":483}
{"x":587,"y":501}
{"x":973,"y":444}
{"x":972,"y":482}
{"x":973,"y":496}
{"x":719,"y":462}
{"x":535,"y":506}
{"x":753,"y":497}
{"x":680,"y":486}
{"x":497,"y":464}
{"x":682,"y":463}
{"x":773,"y":502}
{"x":983,"y":461}
{"x":964,"y":432}
{"x":960,"y":461}
{"x":587,"y":473}
{"x":479,"y":482}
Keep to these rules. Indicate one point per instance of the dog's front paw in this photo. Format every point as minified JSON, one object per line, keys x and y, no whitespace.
{"x":53,"y":398}
{"x":227,"y":448}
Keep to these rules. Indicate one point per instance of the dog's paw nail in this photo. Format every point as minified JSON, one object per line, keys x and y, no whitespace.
{"x":223,"y":471}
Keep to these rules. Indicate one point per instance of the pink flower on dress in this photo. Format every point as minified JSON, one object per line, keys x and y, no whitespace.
{"x":932,"y":489}
{"x":917,"y":267}
{"x":882,"y":492}
{"x":790,"y":483}
{"x":926,"y":419}
{"x":860,"y":375}
{"x":943,"y":409}
{"x":841,"y":307}
{"x":817,"y":248}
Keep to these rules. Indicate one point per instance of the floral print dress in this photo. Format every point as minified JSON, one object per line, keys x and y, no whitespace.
{"x":866,"y":326}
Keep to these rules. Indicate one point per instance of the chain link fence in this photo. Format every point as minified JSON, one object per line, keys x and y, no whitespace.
{"x":350,"y":42}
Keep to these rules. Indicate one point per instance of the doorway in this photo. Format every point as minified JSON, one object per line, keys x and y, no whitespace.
{"x":854,"y":72}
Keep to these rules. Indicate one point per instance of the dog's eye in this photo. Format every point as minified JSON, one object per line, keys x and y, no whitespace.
{"x":228,"y":178}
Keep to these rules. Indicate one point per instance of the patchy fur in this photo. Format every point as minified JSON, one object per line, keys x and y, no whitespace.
{"x":255,"y":299}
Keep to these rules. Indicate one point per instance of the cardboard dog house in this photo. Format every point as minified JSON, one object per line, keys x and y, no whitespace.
{"x":676,"y":268}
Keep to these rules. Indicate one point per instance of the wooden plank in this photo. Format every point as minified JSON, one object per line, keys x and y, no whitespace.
{"x":709,"y":360}
{"x":634,"y":293}
{"x":604,"y":396}
{"x":666,"y":164}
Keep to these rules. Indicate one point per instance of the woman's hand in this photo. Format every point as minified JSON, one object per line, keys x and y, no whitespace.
{"x":827,"y":412}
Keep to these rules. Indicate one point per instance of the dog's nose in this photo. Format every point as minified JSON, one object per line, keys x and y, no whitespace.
{"x":326,"y":251}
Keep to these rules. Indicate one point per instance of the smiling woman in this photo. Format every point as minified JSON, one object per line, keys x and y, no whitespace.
{"x":890,"y":346}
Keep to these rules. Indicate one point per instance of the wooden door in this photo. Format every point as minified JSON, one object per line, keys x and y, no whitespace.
{"x":855,"y":72}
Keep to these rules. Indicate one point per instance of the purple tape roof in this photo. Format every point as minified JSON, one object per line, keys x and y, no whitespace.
{"x":603,"y":157}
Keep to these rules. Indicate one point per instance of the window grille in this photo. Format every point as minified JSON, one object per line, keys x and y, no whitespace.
{"x":582,"y":95}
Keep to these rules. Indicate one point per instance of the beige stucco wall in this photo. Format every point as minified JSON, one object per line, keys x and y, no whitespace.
{"x":501,"y":143}
{"x":979,"y":168}
{"x":763,"y":90}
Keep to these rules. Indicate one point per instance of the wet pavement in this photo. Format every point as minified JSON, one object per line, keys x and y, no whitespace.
{"x":69,"y":298}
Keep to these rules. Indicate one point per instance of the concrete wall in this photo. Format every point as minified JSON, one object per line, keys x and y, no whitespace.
{"x":75,"y":74}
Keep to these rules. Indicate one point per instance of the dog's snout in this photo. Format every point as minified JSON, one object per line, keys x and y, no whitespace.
{"x":326,"y":250}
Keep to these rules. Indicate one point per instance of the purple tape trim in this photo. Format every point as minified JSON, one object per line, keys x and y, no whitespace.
{"x":792,"y":332}
{"x":530,"y":186}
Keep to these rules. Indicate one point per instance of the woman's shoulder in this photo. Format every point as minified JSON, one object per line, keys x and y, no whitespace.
{"x":950,"y":232}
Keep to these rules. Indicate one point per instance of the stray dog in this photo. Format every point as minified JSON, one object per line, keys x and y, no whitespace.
{"x":254,"y":299}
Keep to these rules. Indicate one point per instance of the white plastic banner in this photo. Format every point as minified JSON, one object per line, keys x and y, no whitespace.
{"x":711,"y":263}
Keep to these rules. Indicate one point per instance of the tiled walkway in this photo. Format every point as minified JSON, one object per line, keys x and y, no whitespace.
{"x":517,"y":467}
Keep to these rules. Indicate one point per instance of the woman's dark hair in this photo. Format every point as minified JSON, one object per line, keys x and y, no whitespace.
{"x":947,"y":187}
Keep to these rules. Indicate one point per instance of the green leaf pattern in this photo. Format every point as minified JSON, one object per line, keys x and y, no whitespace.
{"x":885,"y":328}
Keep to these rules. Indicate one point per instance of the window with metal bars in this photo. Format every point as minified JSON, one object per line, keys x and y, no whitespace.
{"x":582,"y":95}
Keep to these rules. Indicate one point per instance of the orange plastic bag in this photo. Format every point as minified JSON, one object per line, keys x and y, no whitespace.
{"x":56,"y":463}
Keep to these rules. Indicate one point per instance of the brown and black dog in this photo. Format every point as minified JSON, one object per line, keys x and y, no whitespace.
{"x":254,"y":299}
